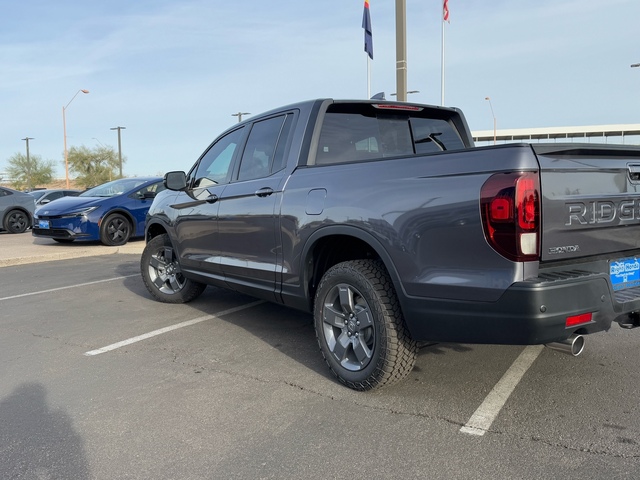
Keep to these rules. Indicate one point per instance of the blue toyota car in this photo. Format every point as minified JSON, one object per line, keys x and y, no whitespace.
{"x":112,"y":212}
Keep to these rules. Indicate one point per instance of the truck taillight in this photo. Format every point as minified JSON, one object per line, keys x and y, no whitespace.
{"x":510,"y":204}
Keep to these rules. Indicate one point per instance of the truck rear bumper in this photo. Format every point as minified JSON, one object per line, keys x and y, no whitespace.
{"x":528,"y":313}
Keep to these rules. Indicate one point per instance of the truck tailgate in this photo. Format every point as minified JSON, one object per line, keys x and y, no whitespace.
{"x":590,"y":200}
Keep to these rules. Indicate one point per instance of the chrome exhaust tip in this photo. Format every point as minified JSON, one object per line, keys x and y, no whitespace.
{"x":574,"y":345}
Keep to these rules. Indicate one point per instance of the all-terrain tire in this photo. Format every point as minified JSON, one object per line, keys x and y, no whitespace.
{"x":360,"y":328}
{"x":162,"y":276}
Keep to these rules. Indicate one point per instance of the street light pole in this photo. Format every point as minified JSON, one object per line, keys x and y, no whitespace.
{"x":29,"y":186}
{"x":239,"y":115}
{"x":494,"y":119}
{"x":401,"y":50}
{"x":64,"y":129}
{"x":119,"y":147}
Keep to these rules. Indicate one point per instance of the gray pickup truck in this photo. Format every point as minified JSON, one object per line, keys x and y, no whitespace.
{"x":392,"y":228}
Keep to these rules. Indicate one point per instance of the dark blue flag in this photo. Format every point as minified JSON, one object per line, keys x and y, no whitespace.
{"x":366,"y":24}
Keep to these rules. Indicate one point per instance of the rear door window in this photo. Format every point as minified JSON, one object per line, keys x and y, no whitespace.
{"x":265,"y":149}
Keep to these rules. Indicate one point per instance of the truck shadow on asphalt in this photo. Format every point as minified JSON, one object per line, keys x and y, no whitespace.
{"x":289,"y":331}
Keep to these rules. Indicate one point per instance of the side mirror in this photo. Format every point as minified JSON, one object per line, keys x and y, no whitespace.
{"x":149,"y":195}
{"x":176,"y":181}
{"x":44,"y":201}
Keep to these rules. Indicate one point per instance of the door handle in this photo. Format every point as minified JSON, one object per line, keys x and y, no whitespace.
{"x":264,"y":192}
{"x":211,"y":198}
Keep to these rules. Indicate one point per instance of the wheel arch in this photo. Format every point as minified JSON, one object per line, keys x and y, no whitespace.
{"x":331,"y":245}
{"x":13,"y":209}
{"x":19,"y":208}
{"x":121,"y":211}
{"x":153,"y":229}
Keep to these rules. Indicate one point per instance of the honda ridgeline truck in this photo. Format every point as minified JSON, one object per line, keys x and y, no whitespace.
{"x":387,"y":223}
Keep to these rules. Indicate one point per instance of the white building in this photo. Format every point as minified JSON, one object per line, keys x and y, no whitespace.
{"x":628,"y":134}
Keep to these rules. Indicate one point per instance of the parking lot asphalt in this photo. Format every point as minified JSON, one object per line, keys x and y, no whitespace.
{"x":24,"y":248}
{"x":101,"y":381}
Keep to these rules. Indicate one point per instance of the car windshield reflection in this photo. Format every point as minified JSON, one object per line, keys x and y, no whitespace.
{"x":112,"y":189}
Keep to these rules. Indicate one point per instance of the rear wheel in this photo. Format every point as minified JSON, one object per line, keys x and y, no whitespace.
{"x":115,"y":230}
{"x":16,"y":221}
{"x":360,"y":328}
{"x":162,"y":276}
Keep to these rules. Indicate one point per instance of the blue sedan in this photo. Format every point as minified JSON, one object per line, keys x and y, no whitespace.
{"x":112,"y":212}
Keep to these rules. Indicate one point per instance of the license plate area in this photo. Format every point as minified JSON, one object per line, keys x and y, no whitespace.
{"x":624,"y":273}
{"x":43,"y":224}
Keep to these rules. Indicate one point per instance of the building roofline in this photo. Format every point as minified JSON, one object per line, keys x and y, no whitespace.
{"x":619,"y":130}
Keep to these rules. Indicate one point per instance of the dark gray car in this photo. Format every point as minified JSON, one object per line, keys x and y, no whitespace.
{"x":16,"y":210}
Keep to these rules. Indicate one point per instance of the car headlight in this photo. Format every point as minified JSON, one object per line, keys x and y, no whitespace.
{"x":80,"y":213}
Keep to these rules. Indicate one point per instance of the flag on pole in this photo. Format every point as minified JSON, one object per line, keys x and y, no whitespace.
{"x":445,"y":11}
{"x":366,"y":24}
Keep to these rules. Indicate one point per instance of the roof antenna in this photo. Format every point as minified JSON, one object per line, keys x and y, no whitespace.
{"x":378,"y":96}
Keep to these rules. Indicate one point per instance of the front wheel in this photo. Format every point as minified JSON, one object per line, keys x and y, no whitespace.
{"x":115,"y":230}
{"x":16,"y":221}
{"x":360,"y":327}
{"x":162,"y":276}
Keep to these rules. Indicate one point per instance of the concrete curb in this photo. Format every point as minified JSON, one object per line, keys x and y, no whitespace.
{"x":135,"y":248}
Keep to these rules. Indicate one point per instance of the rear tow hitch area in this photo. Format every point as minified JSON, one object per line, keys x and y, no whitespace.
{"x":630,"y":321}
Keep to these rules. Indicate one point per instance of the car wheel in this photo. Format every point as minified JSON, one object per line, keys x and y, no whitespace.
{"x":162,"y":276}
{"x":360,"y":327}
{"x":16,"y":221}
{"x":115,"y":230}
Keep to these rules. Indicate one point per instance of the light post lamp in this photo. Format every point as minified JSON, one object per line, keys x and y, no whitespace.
{"x":28,"y":163}
{"x":239,"y":115}
{"x":494,"y":119}
{"x":119,"y":147}
{"x":635,"y":65}
{"x":64,"y":129}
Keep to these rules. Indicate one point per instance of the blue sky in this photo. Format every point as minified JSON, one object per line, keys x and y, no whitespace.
{"x":172,"y":72}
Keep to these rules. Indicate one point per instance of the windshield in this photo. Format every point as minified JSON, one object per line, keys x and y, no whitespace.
{"x":37,"y":194}
{"x":112,"y":189}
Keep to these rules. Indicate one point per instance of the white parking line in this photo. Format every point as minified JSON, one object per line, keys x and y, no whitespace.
{"x":486,"y":413}
{"x":170,"y":328}
{"x":67,"y":287}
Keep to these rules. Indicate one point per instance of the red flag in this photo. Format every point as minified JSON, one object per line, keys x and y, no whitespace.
{"x":366,"y":24}
{"x":445,"y":11}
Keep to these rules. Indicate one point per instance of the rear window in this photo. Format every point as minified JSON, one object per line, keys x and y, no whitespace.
{"x":369,"y":134}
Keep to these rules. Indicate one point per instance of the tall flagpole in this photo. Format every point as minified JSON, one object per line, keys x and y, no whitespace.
{"x":445,"y":18}
{"x":442,"y":69}
{"x":368,"y":43}
{"x":368,"y":77}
